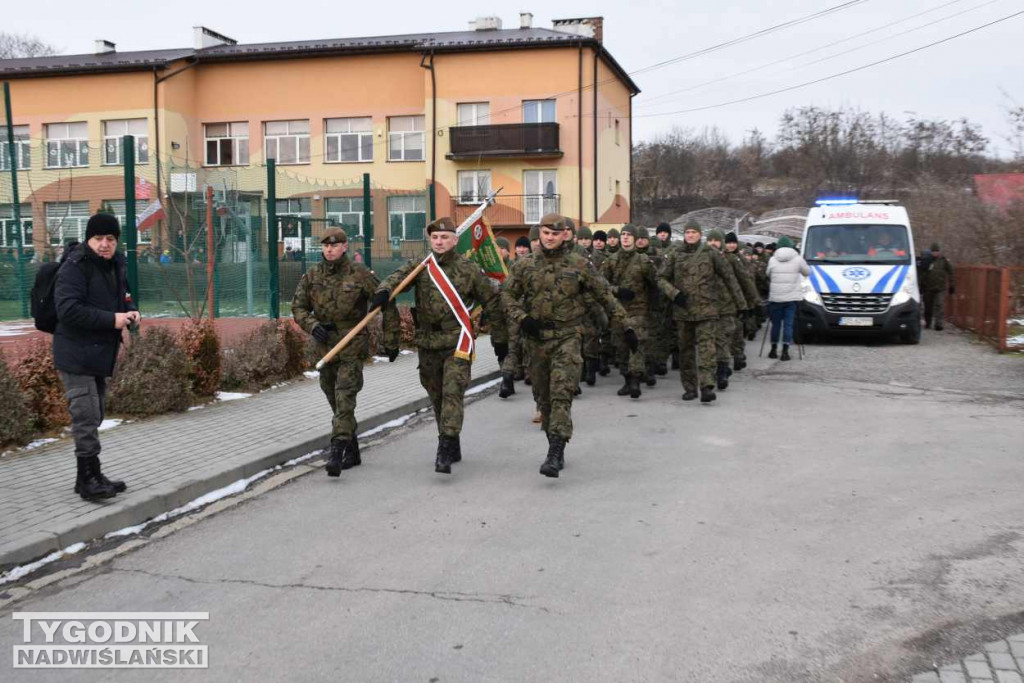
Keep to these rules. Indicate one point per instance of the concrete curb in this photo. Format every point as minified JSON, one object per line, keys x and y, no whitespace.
{"x":131,"y":508}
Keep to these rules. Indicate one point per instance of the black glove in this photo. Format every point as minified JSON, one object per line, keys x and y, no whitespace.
{"x":625,"y":294}
{"x":379,"y":299}
{"x":530,"y":327}
{"x":632,"y":341}
{"x":680,"y":300}
{"x":322,"y":332}
{"x":392,"y":354}
{"x":500,"y":350}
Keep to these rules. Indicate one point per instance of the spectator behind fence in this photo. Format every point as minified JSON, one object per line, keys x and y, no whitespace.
{"x":94,"y":306}
{"x":786,"y":268}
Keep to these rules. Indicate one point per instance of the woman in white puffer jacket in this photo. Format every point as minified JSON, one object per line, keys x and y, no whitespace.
{"x":786,"y":270}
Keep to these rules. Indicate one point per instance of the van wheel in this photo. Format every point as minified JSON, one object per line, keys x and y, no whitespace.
{"x":912,"y":336}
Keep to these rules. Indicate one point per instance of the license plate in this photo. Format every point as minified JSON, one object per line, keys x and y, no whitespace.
{"x":857,"y":322}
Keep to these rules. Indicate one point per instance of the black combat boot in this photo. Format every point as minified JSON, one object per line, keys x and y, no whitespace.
{"x":520,"y":375}
{"x":626,"y":387}
{"x":707,"y":394}
{"x":334,"y":460}
{"x":590,"y":371}
{"x":661,"y":369}
{"x":118,"y":486}
{"x":722,"y":376}
{"x":603,"y":368}
{"x":87,"y":484}
{"x":350,"y":456}
{"x":508,"y":386}
{"x":556,"y":457}
{"x":443,"y":462}
{"x":785,"y":352}
{"x":739,"y":362}
{"x":579,"y":390}
{"x":634,"y":385}
{"x":689,"y":394}
{"x":650,"y":379}
{"x":774,"y":353}
{"x":456,"y":452}
{"x":675,"y":359}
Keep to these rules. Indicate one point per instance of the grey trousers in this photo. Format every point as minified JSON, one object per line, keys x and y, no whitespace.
{"x":87,"y":398}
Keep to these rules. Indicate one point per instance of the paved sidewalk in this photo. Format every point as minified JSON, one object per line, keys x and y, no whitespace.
{"x":1000,"y":662}
{"x":172,"y":459}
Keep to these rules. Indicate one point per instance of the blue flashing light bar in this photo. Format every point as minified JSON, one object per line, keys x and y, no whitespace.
{"x":836,"y":201}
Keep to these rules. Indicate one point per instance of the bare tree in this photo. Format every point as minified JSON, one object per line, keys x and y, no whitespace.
{"x":15,"y":45}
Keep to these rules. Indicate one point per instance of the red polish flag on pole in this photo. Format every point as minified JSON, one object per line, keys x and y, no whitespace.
{"x":465,"y":348}
{"x":153,"y":213}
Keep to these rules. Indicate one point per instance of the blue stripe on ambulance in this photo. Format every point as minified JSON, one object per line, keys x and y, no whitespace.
{"x":899,"y":280}
{"x":829,"y":282}
{"x":884,"y":282}
{"x":814,"y":282}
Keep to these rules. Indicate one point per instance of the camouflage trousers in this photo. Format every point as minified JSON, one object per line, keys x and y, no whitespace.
{"x":725,"y":328}
{"x":516,"y":360}
{"x":697,"y":353}
{"x":631,"y":362}
{"x":555,"y":368}
{"x":341,"y":381}
{"x":739,"y":345}
{"x":664,"y":336}
{"x":446,"y":379}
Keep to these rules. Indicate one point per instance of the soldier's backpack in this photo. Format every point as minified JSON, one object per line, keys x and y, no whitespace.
{"x":44,"y":304}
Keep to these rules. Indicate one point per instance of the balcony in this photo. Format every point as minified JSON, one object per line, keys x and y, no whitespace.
{"x":510,"y":140}
{"x":509,"y":209}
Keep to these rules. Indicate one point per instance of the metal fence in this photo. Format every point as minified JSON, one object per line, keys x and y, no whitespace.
{"x":989,"y":301}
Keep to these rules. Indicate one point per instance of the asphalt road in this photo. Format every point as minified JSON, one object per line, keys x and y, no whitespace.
{"x":848,"y":517}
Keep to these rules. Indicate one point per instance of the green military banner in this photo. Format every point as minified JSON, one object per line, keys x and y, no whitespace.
{"x":477,"y":243}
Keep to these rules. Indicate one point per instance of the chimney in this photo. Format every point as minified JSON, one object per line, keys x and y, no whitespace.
{"x":102,"y":47}
{"x":526,"y":20}
{"x":204,"y":38}
{"x":588,"y":27}
{"x":491,"y":23}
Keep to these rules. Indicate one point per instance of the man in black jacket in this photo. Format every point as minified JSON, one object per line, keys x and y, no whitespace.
{"x":94,"y":306}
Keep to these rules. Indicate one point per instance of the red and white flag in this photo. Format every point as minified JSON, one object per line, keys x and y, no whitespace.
{"x":153,"y":213}
{"x":465,"y":347}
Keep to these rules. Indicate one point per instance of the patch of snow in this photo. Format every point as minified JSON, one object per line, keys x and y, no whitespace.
{"x":405,"y":352}
{"x":231,"y":396}
{"x":196,"y":408}
{"x":391,"y":424}
{"x":483,"y":387}
{"x":380,"y":359}
{"x":15,"y":329}
{"x":1015,"y":341}
{"x":109,"y":424}
{"x":38,"y":442}
{"x":303,"y":458}
{"x":26,"y":569}
{"x":311,"y":374}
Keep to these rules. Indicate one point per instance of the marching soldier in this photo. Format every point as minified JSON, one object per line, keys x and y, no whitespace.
{"x":688,"y":279}
{"x":728,"y":306}
{"x":741,"y":269}
{"x":544,"y":298}
{"x":664,"y":235}
{"x":329,"y":301}
{"x":598,"y":249}
{"x":660,"y":332}
{"x":938,"y":279}
{"x":612,"y":244}
{"x":633,"y":278}
{"x":440,"y":337}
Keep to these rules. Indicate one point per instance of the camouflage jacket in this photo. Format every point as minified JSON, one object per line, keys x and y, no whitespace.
{"x":337,"y":292}
{"x":745,"y":276}
{"x":598,"y":256}
{"x":632,"y":270}
{"x":760,"y":269}
{"x":693,"y":270}
{"x":551,"y":288}
{"x":436,"y":325}
{"x":939,"y":275}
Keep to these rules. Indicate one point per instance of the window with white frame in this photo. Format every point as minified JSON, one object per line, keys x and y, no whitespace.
{"x":541,"y":194}
{"x":407,"y":217}
{"x":119,"y":210}
{"x":287,"y":142}
{"x":474,"y":186}
{"x":349,"y":139}
{"x":291,"y":231}
{"x":65,"y":221}
{"x":67,"y":145}
{"x":474,"y":113}
{"x":348,"y":212}
{"x":22,"y":152}
{"x":538,"y":111}
{"x":113,"y":134}
{"x":227,"y":144}
{"x":9,"y":227}
{"x":405,"y":138}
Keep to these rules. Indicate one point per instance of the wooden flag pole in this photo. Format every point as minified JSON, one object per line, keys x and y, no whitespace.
{"x":339,"y":347}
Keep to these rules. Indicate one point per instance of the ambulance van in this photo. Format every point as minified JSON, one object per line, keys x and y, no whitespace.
{"x":863,"y":272}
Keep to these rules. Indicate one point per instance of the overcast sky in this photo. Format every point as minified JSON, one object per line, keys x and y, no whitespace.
{"x":965,"y":77}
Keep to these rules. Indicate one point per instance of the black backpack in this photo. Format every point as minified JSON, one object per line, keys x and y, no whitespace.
{"x":44,"y":304}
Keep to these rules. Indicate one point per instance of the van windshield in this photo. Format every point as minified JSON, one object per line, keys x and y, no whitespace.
{"x":857,"y":243}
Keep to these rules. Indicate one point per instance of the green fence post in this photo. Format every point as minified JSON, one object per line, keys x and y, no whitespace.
{"x":19,"y":236}
{"x":305,"y":230}
{"x":131,"y":234}
{"x":275,"y":296}
{"x":367,"y":223}
{"x":432,"y":194}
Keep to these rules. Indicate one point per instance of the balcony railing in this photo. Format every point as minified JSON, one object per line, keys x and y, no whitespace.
{"x":509,"y":209}
{"x":504,"y":140}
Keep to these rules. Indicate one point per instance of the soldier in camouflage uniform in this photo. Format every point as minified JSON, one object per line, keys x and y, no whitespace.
{"x":544,"y":299}
{"x":444,"y":374}
{"x":741,"y":268}
{"x":512,"y":368}
{"x":659,"y":340}
{"x":759,"y":260}
{"x":632,"y":277}
{"x":725,"y":326}
{"x":329,"y":301}
{"x":938,"y":279}
{"x":688,"y":278}
{"x":612,"y":245}
{"x":598,"y":249}
{"x":667,"y":336}
{"x":595,"y":322}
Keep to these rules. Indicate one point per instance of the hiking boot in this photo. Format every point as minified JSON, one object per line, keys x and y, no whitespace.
{"x":774,"y":353}
{"x":556,"y":457}
{"x":626,"y":389}
{"x":350,"y":456}
{"x":649,"y":378}
{"x":88,"y":485}
{"x":456,"y":453}
{"x":508,"y":386}
{"x":661,"y":369}
{"x":118,"y":486}
{"x":334,"y":460}
{"x":722,"y":376}
{"x":707,"y":394}
{"x":634,"y":385}
{"x":443,"y":462}
{"x":785,"y":352}
{"x":689,"y":394}
{"x":738,"y":363}
{"x":590,"y":371}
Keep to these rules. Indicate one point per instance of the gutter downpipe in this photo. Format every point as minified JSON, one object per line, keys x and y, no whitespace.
{"x":595,"y":136}
{"x":579,"y":136}
{"x":433,"y":132}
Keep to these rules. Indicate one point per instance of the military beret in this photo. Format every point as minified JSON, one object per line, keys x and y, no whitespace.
{"x":334,"y":236}
{"x":523,"y":241}
{"x":601,"y":235}
{"x":730,"y":237}
{"x":442,"y":224}
{"x":535,"y":233}
{"x":628,"y":229}
{"x":570,"y":224}
{"x":552,"y":220}
{"x":935,"y":246}
{"x":664,"y":227}
{"x":693,"y":225}
{"x":613,"y":233}
{"x":502,"y":242}
{"x":643,"y":234}
{"x":584,"y":233}
{"x":716,"y":234}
